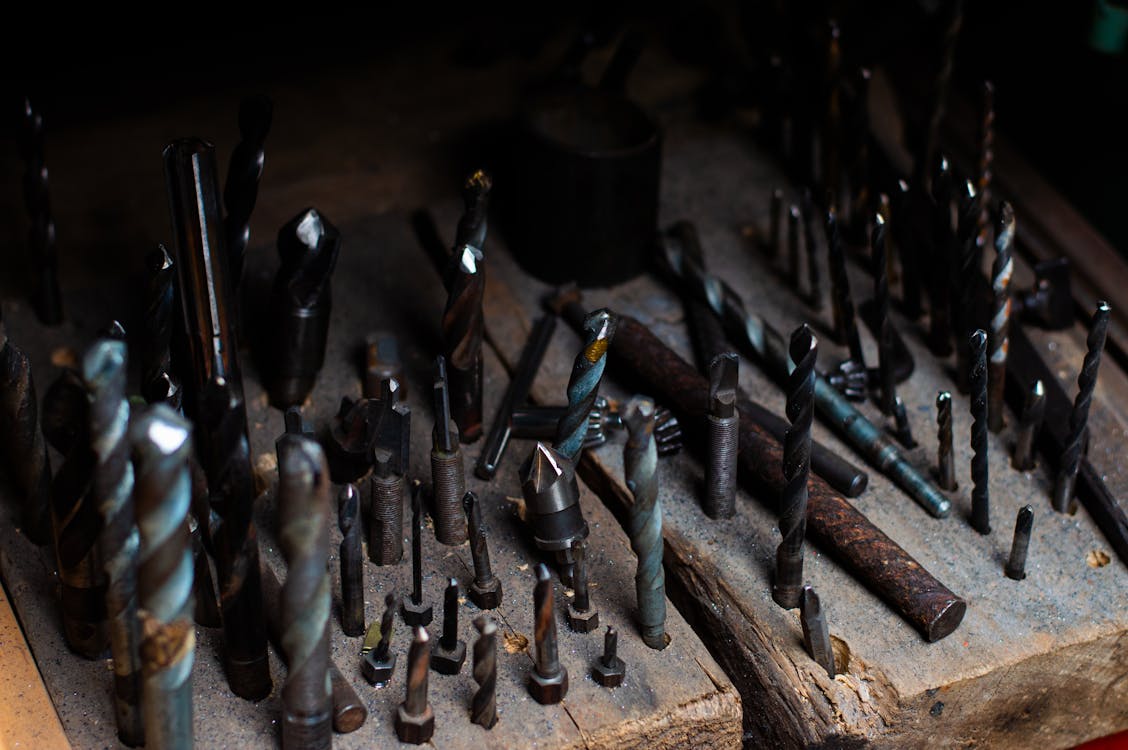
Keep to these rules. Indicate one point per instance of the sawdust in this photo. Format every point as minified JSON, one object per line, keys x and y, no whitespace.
{"x":1097,"y":558}
{"x":514,"y":642}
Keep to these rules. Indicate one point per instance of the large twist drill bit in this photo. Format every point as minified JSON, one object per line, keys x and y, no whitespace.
{"x":158,"y":384}
{"x":483,"y":706}
{"x":46,"y":299}
{"x":965,"y":281}
{"x":463,"y":328}
{"x":1001,"y":271}
{"x":980,"y":494}
{"x":352,"y":563}
{"x":473,"y":223}
{"x":644,"y":524}
{"x":244,"y":172}
{"x":415,"y":720}
{"x":583,"y":384}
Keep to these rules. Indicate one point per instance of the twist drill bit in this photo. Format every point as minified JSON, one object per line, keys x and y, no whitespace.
{"x":793,"y":257}
{"x":548,"y":682}
{"x":644,"y":522}
{"x":884,"y":324}
{"x":980,"y":498}
{"x":1029,"y":425}
{"x":931,"y":135}
{"x":244,"y":173}
{"x":448,"y":476}
{"x":845,"y":323}
{"x":162,"y":448}
{"x":859,"y":178}
{"x":831,"y":136}
{"x":414,"y":611}
{"x":945,"y":462}
{"x":485,"y":590}
{"x":352,"y":562}
{"x":552,"y":505}
{"x":46,"y":298}
{"x":609,"y":669}
{"x":111,"y":491}
{"x":796,"y":469}
{"x":986,"y":159}
{"x":723,"y":432}
{"x":415,"y":721}
{"x":473,"y":223}
{"x":905,"y":237}
{"x":303,"y":534}
{"x":1023,"y":525}
{"x":943,"y":247}
{"x":377,"y":662}
{"x":583,"y":383}
{"x":967,"y":275}
{"x":449,"y":652}
{"x":775,"y":208}
{"x":1078,"y":418}
{"x":814,"y":290}
{"x":463,"y":329}
{"x":1001,"y":271}
{"x":158,"y":384}
{"x":902,"y":430}
{"x":580,"y":615}
{"x":483,"y":706}
{"x":816,"y":636}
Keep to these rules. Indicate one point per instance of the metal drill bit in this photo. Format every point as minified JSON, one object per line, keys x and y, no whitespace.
{"x":943,"y":242}
{"x":644,"y":520}
{"x":552,"y":505}
{"x":788,"y":583}
{"x":485,"y":590}
{"x":814,"y":288}
{"x":980,"y":497}
{"x":415,"y":721}
{"x":548,"y":682}
{"x":902,"y":429}
{"x":967,"y":275}
{"x":831,"y":137}
{"x":158,"y":384}
{"x":793,"y":257}
{"x":377,"y":662}
{"x":1001,"y":271}
{"x":46,"y":298}
{"x":945,"y":462}
{"x":111,"y":491}
{"x":483,"y":706}
{"x":382,"y":361}
{"x":986,"y":160}
{"x":414,"y":611}
{"x":1023,"y":525}
{"x":385,"y":516}
{"x":775,"y":208}
{"x":816,"y":636}
{"x":162,"y":448}
{"x":303,"y":534}
{"x":352,"y":561}
{"x":1078,"y":418}
{"x":583,"y":383}
{"x":448,"y":475}
{"x":463,"y":329}
{"x":927,"y":145}
{"x":723,"y":426}
{"x":1029,"y":425}
{"x":884,"y":324}
{"x":449,"y":652}
{"x":244,"y":172}
{"x":473,"y":223}
{"x":609,"y":669}
{"x":845,"y":322}
{"x":905,"y":238}
{"x":860,"y":131}
{"x":580,"y":615}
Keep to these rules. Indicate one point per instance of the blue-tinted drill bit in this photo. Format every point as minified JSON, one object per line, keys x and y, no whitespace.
{"x":644,"y":524}
{"x":583,"y":384}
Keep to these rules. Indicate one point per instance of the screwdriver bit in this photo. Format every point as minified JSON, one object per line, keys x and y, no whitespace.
{"x":1001,"y":271}
{"x":1029,"y":425}
{"x":158,"y":384}
{"x":377,"y":662}
{"x":414,"y":611}
{"x":244,"y":173}
{"x":352,"y":562}
{"x":583,"y":383}
{"x":580,"y":615}
{"x":552,"y":505}
{"x":788,"y":583}
{"x":1016,"y":563}
{"x":415,"y":721}
{"x":609,"y":669}
{"x":485,"y":589}
{"x":463,"y":326}
{"x":548,"y":682}
{"x":723,"y":426}
{"x":816,"y":636}
{"x":448,"y":475}
{"x":845,"y":322}
{"x":945,"y":462}
{"x":644,"y":521}
{"x":449,"y":652}
{"x":483,"y":707}
{"x":46,"y":299}
{"x":980,"y":498}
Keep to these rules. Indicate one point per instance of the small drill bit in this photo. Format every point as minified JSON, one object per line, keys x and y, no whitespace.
{"x":796,"y":469}
{"x":884,"y":324}
{"x":831,"y":136}
{"x":552,"y":505}
{"x":609,"y":669}
{"x":449,"y":652}
{"x":859,"y":178}
{"x":986,"y":161}
{"x":583,"y":383}
{"x":414,"y":611}
{"x":473,"y":223}
{"x":723,"y":430}
{"x":377,"y":662}
{"x":845,"y":323}
{"x":244,"y":172}
{"x":943,"y":243}
{"x":548,"y":682}
{"x":382,"y":361}
{"x":448,"y":476}
{"x":814,"y":288}
{"x":1079,"y":417}
{"x":46,"y":299}
{"x":352,"y":562}
{"x":415,"y":721}
{"x":581,"y":617}
{"x":483,"y":707}
{"x":816,"y":636}
{"x":1023,"y":525}
{"x":904,"y":236}
{"x":928,"y":143}
{"x":162,"y":448}
{"x":1029,"y":425}
{"x":463,"y":328}
{"x":485,"y":589}
{"x":967,"y":276}
{"x":644,"y":521}
{"x":980,"y":498}
{"x":1001,"y":271}
{"x":902,"y":429}
{"x":945,"y":462}
{"x":158,"y":384}
{"x":793,"y":257}
{"x":775,"y":208}
{"x":385,"y":516}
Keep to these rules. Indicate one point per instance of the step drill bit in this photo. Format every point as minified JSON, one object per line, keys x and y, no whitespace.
{"x":810,"y":244}
{"x":377,"y":661}
{"x":303,"y":534}
{"x":485,"y":589}
{"x":885,"y":334}
{"x":548,"y":682}
{"x":583,"y":383}
{"x":463,"y":328}
{"x":111,"y":491}
{"x":609,"y":670}
{"x":845,"y":321}
{"x":415,"y":612}
{"x":162,"y":448}
{"x":788,"y":585}
{"x":552,"y":505}
{"x":483,"y":706}
{"x":46,"y":299}
{"x":352,"y":562}
{"x":415,"y":721}
{"x":581,"y":617}
{"x":158,"y":384}
{"x":1023,"y":525}
{"x":448,"y":475}
{"x":244,"y":173}
{"x":25,"y":448}
{"x":965,"y":280}
{"x":1001,"y":271}
{"x":816,"y":635}
{"x":1029,"y":425}
{"x":945,"y":461}
{"x":723,"y":430}
{"x":644,"y":521}
{"x":449,"y":652}
{"x":980,"y":493}
{"x":301,"y":304}
{"x":1066,"y":481}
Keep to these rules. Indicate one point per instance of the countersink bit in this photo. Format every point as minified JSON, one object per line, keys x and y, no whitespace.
{"x":845,"y":322}
{"x":583,"y":383}
{"x":463,"y":326}
{"x":775,"y":208}
{"x":448,"y":475}
{"x":816,"y":636}
{"x":377,"y":662}
{"x":943,"y":243}
{"x":449,"y":652}
{"x":552,"y":505}
{"x":986,"y":160}
{"x":723,"y":427}
{"x":793,"y":256}
{"x":485,"y":589}
{"x":352,"y":562}
{"x":162,"y":448}
{"x":581,"y":617}
{"x":966,"y":278}
{"x":46,"y":299}
{"x":902,"y":430}
{"x":609,"y":670}
{"x":111,"y":492}
{"x":644,"y":521}
{"x":415,"y":721}
{"x":980,"y":497}
{"x":945,"y":462}
{"x":548,"y":682}
{"x":788,"y":584}
{"x":414,"y":611}
{"x":473,"y":223}
{"x":1023,"y":525}
{"x":887,"y":378}
{"x":814,"y":288}
{"x":1029,"y":425}
{"x":1066,"y":481}
{"x":158,"y":384}
{"x":300,"y":307}
{"x":1001,"y":272}
{"x":382,"y":361}
{"x":385,"y":516}
{"x":483,"y":706}
{"x":244,"y":173}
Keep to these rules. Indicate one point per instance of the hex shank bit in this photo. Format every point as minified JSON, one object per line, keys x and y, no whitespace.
{"x":1001,"y":271}
{"x":485,"y":589}
{"x":644,"y":521}
{"x":352,"y":562}
{"x":448,"y":475}
{"x":244,"y":172}
{"x":548,"y":682}
{"x":449,"y":652}
{"x":581,"y":617}
{"x":723,"y":428}
{"x":980,"y":493}
{"x":483,"y":706}
{"x":583,"y":383}
{"x":788,"y":584}
{"x":816,"y":636}
{"x":609,"y":669}
{"x":415,"y":721}
{"x":463,"y":328}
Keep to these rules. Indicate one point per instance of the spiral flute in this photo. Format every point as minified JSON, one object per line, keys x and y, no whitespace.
{"x":796,"y":469}
{"x":162,"y":448}
{"x":945,"y":462}
{"x":980,"y":497}
{"x":644,"y":522}
{"x":485,"y":589}
{"x":483,"y":706}
{"x":963,"y":299}
{"x":158,"y":384}
{"x":845,"y":322}
{"x":723,"y":429}
{"x":352,"y":562}
{"x":473,"y":223}
{"x":463,"y":326}
{"x":1030,"y":423}
{"x":46,"y":299}
{"x":415,"y":721}
{"x":885,"y":325}
{"x":1001,"y":272}
{"x":244,"y":173}
{"x":583,"y":383}
{"x":548,"y":682}
{"x":986,"y":161}
{"x":448,"y":474}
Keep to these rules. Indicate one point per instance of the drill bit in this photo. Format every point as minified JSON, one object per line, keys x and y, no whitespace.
{"x":303,"y":534}
{"x":352,"y":562}
{"x":385,"y":517}
{"x":1078,"y":418}
{"x":945,"y":462}
{"x":472,"y":225}
{"x":244,"y":172}
{"x":483,"y":706}
{"x":905,"y":238}
{"x":162,"y":448}
{"x":448,"y":476}
{"x":1001,"y":271}
{"x":644,"y":521}
{"x":775,"y":208}
{"x":884,"y":324}
{"x":902,"y":430}
{"x":986,"y":159}
{"x":980,"y":497}
{"x":968,"y":273}
{"x":158,"y":384}
{"x":859,"y":178}
{"x":931,"y":135}
{"x":814,"y":290}
{"x":449,"y":652}
{"x":793,"y":258}
{"x":377,"y":662}
{"x":831,"y":136}
{"x":463,"y":328}
{"x":111,"y":492}
{"x":796,"y":469}
{"x":816,"y":636}
{"x":609,"y":669}
{"x":723,"y":431}
{"x":548,"y":682}
{"x":485,"y":590}
{"x":845,"y":323}
{"x":414,"y":611}
{"x":46,"y":299}
{"x":552,"y":505}
{"x":1023,"y":525}
{"x":382,"y":362}
{"x":583,"y":383}
{"x":1029,"y":425}
{"x":415,"y":721}
{"x":580,"y":615}
{"x":943,"y":243}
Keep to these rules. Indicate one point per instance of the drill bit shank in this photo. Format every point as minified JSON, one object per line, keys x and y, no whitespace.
{"x":723,"y":427}
{"x":415,"y":721}
{"x":448,"y":475}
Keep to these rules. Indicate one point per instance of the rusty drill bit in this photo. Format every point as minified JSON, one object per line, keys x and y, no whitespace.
{"x":723,"y":428}
{"x":884,"y":324}
{"x":966,"y":281}
{"x":845,"y":322}
{"x":473,"y":223}
{"x":548,"y":682}
{"x":552,"y":505}
{"x":583,"y":383}
{"x":448,"y":475}
{"x":352,"y":562}
{"x":816,"y":636}
{"x":609,"y":669}
{"x":303,"y":534}
{"x":385,"y":517}
{"x":1078,"y":418}
{"x":945,"y":462}
{"x":1029,"y":425}
{"x":414,"y":611}
{"x":1023,"y":525}
{"x":1001,"y":271}
{"x":244,"y":172}
{"x":483,"y":706}
{"x":796,"y":469}
{"x":644,"y":522}
{"x":377,"y":662}
{"x":382,"y":361}
{"x":463,"y":328}
{"x":986,"y":160}
{"x":449,"y":652}
{"x":980,"y":497}
{"x":46,"y":299}
{"x":814,"y":290}
{"x":162,"y":448}
{"x":793,"y":257}
{"x":415,"y":721}
{"x":485,"y":589}
{"x":158,"y":384}
{"x":580,"y":615}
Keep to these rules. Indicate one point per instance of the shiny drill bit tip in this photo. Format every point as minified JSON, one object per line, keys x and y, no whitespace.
{"x":723,"y":375}
{"x":945,"y":461}
{"x":1030,"y":423}
{"x":583,"y":383}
